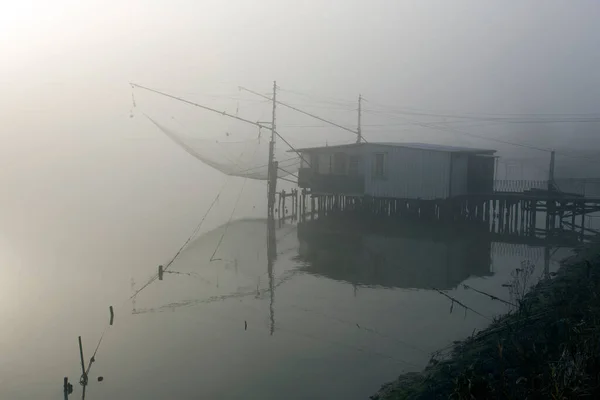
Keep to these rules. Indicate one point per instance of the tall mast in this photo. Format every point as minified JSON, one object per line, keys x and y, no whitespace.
{"x":272,"y":188}
{"x":272,"y":173}
{"x":358,"y":130}
{"x":273,"y":118}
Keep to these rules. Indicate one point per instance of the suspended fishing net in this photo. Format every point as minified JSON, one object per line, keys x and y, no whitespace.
{"x":245,"y":158}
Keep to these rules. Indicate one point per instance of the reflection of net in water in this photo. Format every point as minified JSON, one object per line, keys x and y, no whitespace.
{"x":257,"y":293}
{"x":247,"y":159}
{"x":238,"y":271}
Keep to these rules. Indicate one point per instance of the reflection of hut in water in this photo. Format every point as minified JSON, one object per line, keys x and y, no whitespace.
{"x":399,"y":255}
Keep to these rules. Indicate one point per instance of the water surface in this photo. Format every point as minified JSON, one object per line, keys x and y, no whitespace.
{"x":335,"y":315}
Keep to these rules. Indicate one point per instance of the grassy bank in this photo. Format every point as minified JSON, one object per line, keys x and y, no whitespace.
{"x":548,"y":347}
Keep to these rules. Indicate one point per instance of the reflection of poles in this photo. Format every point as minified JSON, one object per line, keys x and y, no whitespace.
{"x":496,"y":168}
{"x":546,"y":262}
{"x":551,"y":205}
{"x":271,"y":255}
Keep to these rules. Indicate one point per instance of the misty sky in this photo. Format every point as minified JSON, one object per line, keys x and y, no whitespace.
{"x":66,"y":63}
{"x":76,"y":169}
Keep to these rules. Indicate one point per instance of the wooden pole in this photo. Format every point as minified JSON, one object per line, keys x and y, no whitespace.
{"x":546,"y":262}
{"x":523,"y":212}
{"x":516,"y":216}
{"x":551,"y":172}
{"x":533,"y":218}
{"x":582,"y":203}
{"x":272,"y":170}
{"x":66,"y":387}
{"x":83,"y":374}
{"x":358,"y":131}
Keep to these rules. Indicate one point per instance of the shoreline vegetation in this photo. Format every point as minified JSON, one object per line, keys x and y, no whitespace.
{"x":546,"y":347}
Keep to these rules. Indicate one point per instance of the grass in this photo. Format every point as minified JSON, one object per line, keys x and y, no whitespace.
{"x":547,"y":347}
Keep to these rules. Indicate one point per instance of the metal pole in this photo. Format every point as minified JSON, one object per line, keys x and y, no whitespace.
{"x":358,"y":130}
{"x":272,"y":171}
{"x":273,"y":118}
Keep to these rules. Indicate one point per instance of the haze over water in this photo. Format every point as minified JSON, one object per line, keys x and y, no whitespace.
{"x":349,"y":312}
{"x":94,"y":196}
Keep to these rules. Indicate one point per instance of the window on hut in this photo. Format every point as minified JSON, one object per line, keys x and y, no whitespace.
{"x":379,"y":170}
{"x":314,"y":162}
{"x":339,"y":163}
{"x":353,"y":165}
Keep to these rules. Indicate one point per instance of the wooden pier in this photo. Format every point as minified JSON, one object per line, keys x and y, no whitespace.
{"x":533,"y":217}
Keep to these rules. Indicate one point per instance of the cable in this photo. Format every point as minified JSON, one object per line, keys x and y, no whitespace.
{"x":287,"y":172}
{"x":461,"y":304}
{"x":425,"y":125}
{"x":85,"y":374}
{"x":295,"y":159}
{"x":523,"y":145}
{"x":287,"y":180}
{"x":541,"y":117}
{"x":227,"y":225}
{"x":230,"y":217}
{"x":489,"y":119}
{"x":362,"y":327}
{"x":485,"y":116}
{"x":332,"y":100}
{"x":322,"y":107}
{"x":304,"y":112}
{"x":196,"y":230}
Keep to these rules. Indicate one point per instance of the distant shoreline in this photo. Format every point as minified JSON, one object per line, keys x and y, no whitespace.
{"x":548,"y":347}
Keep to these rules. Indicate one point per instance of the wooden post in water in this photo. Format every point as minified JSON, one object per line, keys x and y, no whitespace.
{"x":551,"y":173}
{"x":500,"y":215}
{"x":546,"y":262}
{"x":273,"y":166}
{"x":303,"y":204}
{"x":515,"y":227}
{"x":67,"y":388}
{"x":319,"y":206}
{"x":283,"y":206}
{"x":582,"y":203}
{"x":523,"y":212}
{"x":507,"y":216}
{"x":293,"y":211}
{"x":533,"y":218}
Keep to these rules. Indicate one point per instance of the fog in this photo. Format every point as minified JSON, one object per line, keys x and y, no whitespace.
{"x":88,"y":181}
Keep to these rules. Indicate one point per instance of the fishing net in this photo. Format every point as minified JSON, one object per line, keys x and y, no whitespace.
{"x":246,"y":158}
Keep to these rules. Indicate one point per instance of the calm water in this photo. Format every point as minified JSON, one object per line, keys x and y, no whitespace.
{"x":337,"y":315}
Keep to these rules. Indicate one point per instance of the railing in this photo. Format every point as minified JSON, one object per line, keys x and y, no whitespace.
{"x":580,"y":186}
{"x":518,"y":185}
